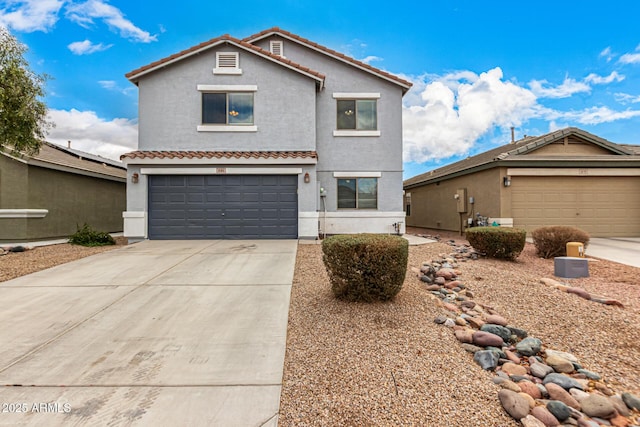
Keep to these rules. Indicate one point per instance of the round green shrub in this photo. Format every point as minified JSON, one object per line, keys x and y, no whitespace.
{"x":365,"y":267}
{"x":497,"y":242}
{"x":87,"y":236}
{"x":551,"y":241}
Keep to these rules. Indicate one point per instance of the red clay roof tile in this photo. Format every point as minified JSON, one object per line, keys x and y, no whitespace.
{"x":220,"y":155}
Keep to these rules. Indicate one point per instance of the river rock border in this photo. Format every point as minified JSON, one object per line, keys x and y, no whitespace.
{"x":540,"y":387}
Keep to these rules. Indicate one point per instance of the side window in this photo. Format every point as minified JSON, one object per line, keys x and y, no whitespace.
{"x":357,"y":114}
{"x":227,"y":108}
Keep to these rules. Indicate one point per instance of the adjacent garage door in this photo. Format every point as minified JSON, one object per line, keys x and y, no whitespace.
{"x":223,"y":207}
{"x":602,"y":206}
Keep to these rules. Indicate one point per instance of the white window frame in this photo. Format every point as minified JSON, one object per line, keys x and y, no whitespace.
{"x":204,"y":88}
{"x":221,"y":68}
{"x":357,"y":176}
{"x":356,"y":96}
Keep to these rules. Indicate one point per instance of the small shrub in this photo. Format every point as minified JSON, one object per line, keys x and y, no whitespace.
{"x":87,"y":236}
{"x":365,"y":267}
{"x":497,"y":242}
{"x":552,"y":241}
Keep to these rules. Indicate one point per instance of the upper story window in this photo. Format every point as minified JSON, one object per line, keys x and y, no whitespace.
{"x":227,"y":63}
{"x":357,"y":114}
{"x":227,"y":108}
{"x":358,"y":193}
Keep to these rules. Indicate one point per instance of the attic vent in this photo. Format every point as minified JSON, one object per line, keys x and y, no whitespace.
{"x":227,"y":63}
{"x":277,"y":47}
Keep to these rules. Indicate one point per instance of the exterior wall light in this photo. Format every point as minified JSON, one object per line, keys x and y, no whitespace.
{"x":506,"y":181}
{"x":134,"y":178}
{"x":307,"y":178}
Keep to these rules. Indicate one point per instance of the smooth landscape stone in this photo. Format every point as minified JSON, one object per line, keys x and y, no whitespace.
{"x":598,"y":406}
{"x":560,"y":394}
{"x":583,"y":422}
{"x":602,"y":388}
{"x":531,"y":400}
{"x":515,"y":405}
{"x":440,"y":320}
{"x":498,"y":330}
{"x":520,"y":333}
{"x":471,"y":348}
{"x":543,"y":414}
{"x":632,"y":401}
{"x":559,"y":364}
{"x":475,"y":322}
{"x":468,"y":304}
{"x":590,"y":375}
{"x":487,"y":359}
{"x":513,"y":369}
{"x":558,"y":410}
{"x":563,"y":381}
{"x":510,"y":385}
{"x":496,"y":319}
{"x":450,"y":307}
{"x":620,"y":406}
{"x":439,"y":281}
{"x":512,"y":357}
{"x":543,"y":390}
{"x":531,"y":421}
{"x":465,"y":336}
{"x":570,"y":357}
{"x":497,"y":351}
{"x":577,"y":394}
{"x":619,"y":421}
{"x":518,"y":378}
{"x":540,"y":370}
{"x":531,"y":389}
{"x":428,"y":279}
{"x":579,"y":291}
{"x":486,"y":339}
{"x":432,"y":287}
{"x":450,"y":323}
{"x":529,"y":346}
{"x":460,"y":321}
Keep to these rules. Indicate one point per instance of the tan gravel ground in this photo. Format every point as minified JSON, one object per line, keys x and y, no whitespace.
{"x":18,"y":264}
{"x":389,"y":364}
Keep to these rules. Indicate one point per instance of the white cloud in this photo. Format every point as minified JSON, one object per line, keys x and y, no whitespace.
{"x":450,"y":117}
{"x":598,"y":80}
{"x":369,"y":59}
{"x":597,"y":115}
{"x":90,"y":133}
{"x":30,"y":15}
{"x":607,"y":54}
{"x":113,"y":86}
{"x":84,"y":14}
{"x":86,"y":47}
{"x":630,"y":58}
{"x":625,"y":98}
{"x":566,"y":89}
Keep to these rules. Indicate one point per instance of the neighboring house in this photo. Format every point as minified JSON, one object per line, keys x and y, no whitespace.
{"x":569,"y":177}
{"x":47,"y":195}
{"x":273,"y":136}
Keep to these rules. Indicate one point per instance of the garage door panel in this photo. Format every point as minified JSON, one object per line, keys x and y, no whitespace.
{"x":602,"y":206}
{"x":223,"y":206}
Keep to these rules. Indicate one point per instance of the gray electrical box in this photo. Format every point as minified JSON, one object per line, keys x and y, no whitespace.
{"x":571,"y":267}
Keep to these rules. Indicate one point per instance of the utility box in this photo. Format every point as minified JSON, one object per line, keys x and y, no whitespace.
{"x":571,"y":267}
{"x":461,"y":197}
{"x":575,"y":249}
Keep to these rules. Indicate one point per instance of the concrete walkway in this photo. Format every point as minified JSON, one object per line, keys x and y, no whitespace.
{"x":625,"y":250}
{"x":155,"y":333}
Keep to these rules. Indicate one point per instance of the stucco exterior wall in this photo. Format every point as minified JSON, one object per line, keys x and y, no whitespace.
{"x":434,"y":205}
{"x":71,"y":200}
{"x":170,"y":106}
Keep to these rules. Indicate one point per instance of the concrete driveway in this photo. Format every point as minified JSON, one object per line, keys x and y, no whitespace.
{"x":157,"y":333}
{"x":625,"y":250}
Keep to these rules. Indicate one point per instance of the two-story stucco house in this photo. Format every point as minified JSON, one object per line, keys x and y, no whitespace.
{"x":271,"y":136}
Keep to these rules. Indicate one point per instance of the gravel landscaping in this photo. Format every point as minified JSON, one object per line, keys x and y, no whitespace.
{"x":390,"y":364}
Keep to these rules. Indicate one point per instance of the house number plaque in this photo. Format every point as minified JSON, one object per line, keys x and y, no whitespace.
{"x":221,"y":170}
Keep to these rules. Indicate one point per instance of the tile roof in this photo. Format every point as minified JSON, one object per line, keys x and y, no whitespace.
{"x":51,"y":155}
{"x":220,"y":155}
{"x":511,"y":151}
{"x":331,"y":52}
{"x":133,"y":75}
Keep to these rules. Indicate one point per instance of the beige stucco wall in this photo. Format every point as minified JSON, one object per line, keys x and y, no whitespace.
{"x":571,"y":147}
{"x":434,"y":205}
{"x":71,"y":200}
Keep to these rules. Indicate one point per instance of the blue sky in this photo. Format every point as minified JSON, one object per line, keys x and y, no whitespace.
{"x":478,"y":68}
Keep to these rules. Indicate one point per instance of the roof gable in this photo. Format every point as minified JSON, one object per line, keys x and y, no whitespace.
{"x":404,"y":84}
{"x":136,"y":74}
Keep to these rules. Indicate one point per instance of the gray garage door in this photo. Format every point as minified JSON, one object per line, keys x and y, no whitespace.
{"x":223,"y":207}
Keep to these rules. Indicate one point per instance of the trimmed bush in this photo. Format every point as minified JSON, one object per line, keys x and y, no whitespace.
{"x":552,"y":241}
{"x":87,"y":236}
{"x":497,"y":242}
{"x":365,"y":267}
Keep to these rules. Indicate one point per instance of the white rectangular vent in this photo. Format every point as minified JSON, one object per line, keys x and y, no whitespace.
{"x":227,"y":63}
{"x":276,"y":47}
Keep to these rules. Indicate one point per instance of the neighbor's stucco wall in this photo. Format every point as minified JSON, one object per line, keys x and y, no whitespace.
{"x":170,"y":106}
{"x":71,"y":200}
{"x":569,"y":149}
{"x":434,"y":205}
{"x":14,"y":176}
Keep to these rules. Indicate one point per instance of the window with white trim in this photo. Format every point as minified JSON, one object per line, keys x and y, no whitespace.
{"x":357,"y":114}
{"x":227,"y":63}
{"x":227,"y":108}
{"x":357,"y":193}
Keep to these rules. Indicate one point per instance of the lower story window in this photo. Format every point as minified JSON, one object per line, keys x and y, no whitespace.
{"x":358,"y":193}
